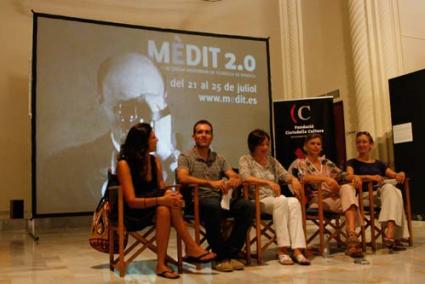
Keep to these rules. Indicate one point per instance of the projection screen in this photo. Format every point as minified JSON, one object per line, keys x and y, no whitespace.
{"x":92,"y":80}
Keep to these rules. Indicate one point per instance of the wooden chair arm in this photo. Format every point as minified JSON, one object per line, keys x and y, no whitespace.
{"x":319,"y":190}
{"x":116,"y":201}
{"x":359,"y":192}
{"x":195,"y":189}
{"x":301,"y":198}
{"x":245,"y":190}
{"x":406,"y":187}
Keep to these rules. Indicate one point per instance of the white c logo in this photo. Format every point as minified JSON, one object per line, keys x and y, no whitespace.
{"x":300,"y":113}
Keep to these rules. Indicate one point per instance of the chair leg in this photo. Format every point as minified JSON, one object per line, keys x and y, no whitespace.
{"x":321,"y":231}
{"x":259,"y":250}
{"x":179,"y":254}
{"x":248,"y":247}
{"x":258,"y":230}
{"x":363,"y":235}
{"x":372,"y":221}
{"x":408,"y":210}
{"x":121,"y":262}
{"x":362,"y":218}
{"x":111,"y":249}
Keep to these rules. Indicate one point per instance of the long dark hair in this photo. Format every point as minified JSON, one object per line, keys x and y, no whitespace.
{"x":135,"y":149}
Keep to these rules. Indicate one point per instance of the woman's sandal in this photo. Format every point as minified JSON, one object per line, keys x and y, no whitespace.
{"x":301,"y":259}
{"x":398,"y":245}
{"x":353,"y":247}
{"x":199,"y":259}
{"x":354,"y":251}
{"x":392,"y":244}
{"x":169,"y":274}
{"x":389,"y":243}
{"x":285,"y":259}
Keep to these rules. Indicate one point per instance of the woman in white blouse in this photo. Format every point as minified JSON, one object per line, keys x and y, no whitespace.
{"x":259,"y":168}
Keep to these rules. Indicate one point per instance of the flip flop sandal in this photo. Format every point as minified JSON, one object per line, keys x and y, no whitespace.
{"x":302,"y":260}
{"x":169,"y":274}
{"x":198,"y":259}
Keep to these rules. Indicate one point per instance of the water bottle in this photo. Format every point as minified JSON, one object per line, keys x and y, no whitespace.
{"x":326,"y":252}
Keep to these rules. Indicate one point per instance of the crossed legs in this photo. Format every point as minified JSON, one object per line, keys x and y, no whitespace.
{"x":347,"y":203}
{"x":165,"y":217}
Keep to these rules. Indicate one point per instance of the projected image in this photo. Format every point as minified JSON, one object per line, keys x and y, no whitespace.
{"x":132,"y":90}
{"x":95,"y":80}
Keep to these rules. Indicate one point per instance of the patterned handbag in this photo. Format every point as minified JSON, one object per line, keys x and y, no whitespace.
{"x":99,"y":235}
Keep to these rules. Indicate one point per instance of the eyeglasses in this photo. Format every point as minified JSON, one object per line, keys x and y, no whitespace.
{"x":132,"y":111}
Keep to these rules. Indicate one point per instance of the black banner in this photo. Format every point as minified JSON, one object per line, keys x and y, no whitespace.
{"x":295,"y":119}
{"x":407,"y":107}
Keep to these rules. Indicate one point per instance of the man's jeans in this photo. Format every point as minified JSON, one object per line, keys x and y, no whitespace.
{"x":212,"y":215}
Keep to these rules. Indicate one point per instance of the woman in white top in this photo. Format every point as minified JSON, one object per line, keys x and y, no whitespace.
{"x":259,"y":168}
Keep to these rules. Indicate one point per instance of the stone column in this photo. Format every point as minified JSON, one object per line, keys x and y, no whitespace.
{"x":376,"y":50}
{"x":292,"y":49}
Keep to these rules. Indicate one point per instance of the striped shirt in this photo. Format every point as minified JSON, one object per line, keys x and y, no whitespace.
{"x":211,"y":169}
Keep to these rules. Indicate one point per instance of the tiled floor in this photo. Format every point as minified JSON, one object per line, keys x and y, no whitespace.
{"x":62,"y":255}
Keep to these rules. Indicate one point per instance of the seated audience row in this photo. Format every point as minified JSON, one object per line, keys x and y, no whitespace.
{"x":146,"y":202}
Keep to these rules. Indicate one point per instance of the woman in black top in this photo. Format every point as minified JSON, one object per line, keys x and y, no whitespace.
{"x":146,"y":201}
{"x":390,"y":198}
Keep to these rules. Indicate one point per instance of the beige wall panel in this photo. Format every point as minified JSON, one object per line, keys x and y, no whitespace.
{"x":327,"y":56}
{"x":412,"y":34}
{"x":412,"y":18}
{"x":413,"y":54}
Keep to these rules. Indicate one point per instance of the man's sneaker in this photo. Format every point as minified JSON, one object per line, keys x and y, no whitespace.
{"x":223,"y":266}
{"x":236,"y":264}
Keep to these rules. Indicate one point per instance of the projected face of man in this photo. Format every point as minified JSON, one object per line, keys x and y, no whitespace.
{"x":132,"y":90}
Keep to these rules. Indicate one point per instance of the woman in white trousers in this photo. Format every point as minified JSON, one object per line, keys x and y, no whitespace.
{"x":386,"y":195}
{"x":259,"y":168}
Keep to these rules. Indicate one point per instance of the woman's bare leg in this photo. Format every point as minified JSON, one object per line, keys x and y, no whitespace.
{"x":297,"y":251}
{"x":350,"y":219}
{"x":282,"y":250}
{"x":389,"y":234}
{"x":163,"y":222}
{"x":192,"y":248}
{"x":353,"y":246}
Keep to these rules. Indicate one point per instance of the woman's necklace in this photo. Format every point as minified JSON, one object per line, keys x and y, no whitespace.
{"x":261,"y":160}
{"x":315,"y":165}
